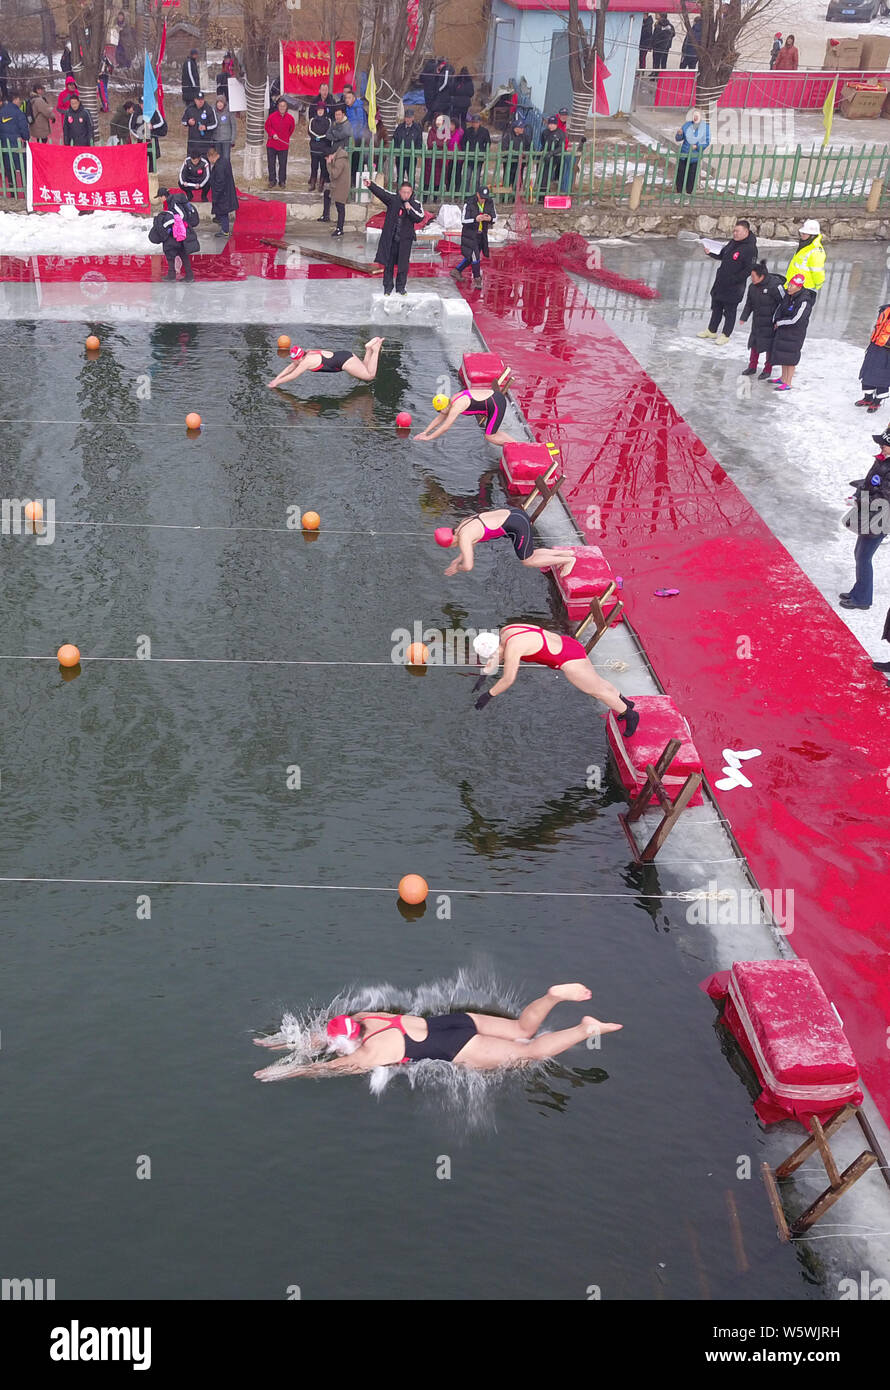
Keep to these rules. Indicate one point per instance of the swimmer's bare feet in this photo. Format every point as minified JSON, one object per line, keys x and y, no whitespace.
{"x":373,"y":342}
{"x":576,"y":992}
{"x":593,"y":1025}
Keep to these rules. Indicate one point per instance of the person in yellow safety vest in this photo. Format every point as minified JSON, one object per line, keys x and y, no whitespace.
{"x":875,"y":370}
{"x":809,"y":258}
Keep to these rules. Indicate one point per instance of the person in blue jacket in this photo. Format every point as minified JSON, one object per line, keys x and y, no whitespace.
{"x":14,"y":135}
{"x":693,"y":137}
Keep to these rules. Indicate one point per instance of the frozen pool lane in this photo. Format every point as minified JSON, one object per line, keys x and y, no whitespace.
{"x":748,"y":648}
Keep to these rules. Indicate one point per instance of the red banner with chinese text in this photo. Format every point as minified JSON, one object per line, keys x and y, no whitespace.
{"x":305,"y":65}
{"x":98,"y":176}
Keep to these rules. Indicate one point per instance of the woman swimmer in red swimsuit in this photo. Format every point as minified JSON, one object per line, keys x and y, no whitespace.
{"x":323,"y":360}
{"x":536,"y":645}
{"x":478,"y":1041}
{"x":486,"y":403}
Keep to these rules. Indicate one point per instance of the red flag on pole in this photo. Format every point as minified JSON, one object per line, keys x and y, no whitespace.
{"x":412,"y":13}
{"x":600,"y":73}
{"x":161,"y":49}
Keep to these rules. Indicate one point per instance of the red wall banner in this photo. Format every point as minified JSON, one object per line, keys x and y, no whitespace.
{"x":98,"y":176}
{"x":304,"y":65}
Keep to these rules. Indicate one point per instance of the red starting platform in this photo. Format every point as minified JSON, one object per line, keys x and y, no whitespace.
{"x":660,"y":722}
{"x":482,"y":369}
{"x":523,"y":463}
{"x":590,"y":577}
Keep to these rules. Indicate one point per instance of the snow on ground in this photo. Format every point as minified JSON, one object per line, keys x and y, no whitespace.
{"x":67,"y":233}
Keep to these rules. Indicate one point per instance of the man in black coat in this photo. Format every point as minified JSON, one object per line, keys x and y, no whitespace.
{"x":403,"y":212}
{"x":662,"y":38}
{"x":194,"y":176}
{"x":645,"y":39}
{"x":191,"y":78}
{"x":406,"y":138}
{"x":553,"y":144}
{"x":164,"y":225}
{"x":737,"y":259}
{"x":515,"y":147}
{"x":200,"y":122}
{"x":443,"y":91}
{"x":478,"y":216}
{"x":223,"y":194}
{"x":77,"y":125}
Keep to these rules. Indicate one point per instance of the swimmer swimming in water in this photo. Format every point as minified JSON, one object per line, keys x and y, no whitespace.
{"x":511,"y":522}
{"x":486,"y":403}
{"x":477,"y":1041}
{"x":536,"y":645}
{"x":323,"y":360}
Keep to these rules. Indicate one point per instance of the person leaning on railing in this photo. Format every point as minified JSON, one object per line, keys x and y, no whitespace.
{"x":406,"y":139}
{"x":693,"y":137}
{"x":553,"y":148}
{"x":474,"y":144}
{"x":515,"y":148}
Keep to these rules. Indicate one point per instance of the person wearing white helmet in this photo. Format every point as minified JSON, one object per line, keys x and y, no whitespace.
{"x":480,"y":1042}
{"x":809,"y":258}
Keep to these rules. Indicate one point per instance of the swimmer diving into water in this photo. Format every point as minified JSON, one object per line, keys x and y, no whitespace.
{"x":323,"y":360}
{"x":539,"y":647}
{"x":511,"y":522}
{"x":486,"y":403}
{"x":477,"y":1041}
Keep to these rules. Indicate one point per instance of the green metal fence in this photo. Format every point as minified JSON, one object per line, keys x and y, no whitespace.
{"x":724,"y":176}
{"x":12,"y":171}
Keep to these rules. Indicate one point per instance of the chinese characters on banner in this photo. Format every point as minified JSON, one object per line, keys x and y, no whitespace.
{"x":101,"y":176}
{"x":412,"y":15}
{"x":304,"y":65}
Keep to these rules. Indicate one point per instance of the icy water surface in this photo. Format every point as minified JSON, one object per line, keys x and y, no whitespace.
{"x":127,"y":1038}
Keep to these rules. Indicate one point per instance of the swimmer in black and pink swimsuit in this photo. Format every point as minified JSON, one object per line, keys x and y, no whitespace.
{"x":323,"y":360}
{"x":480,"y":1042}
{"x":525,"y":642}
{"x":486,"y":403}
{"x":509,"y":522}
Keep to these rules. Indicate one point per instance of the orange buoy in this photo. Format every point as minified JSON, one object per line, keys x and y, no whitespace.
{"x":310,"y":521}
{"x":413,"y":889}
{"x":418,"y":654}
{"x":33,"y":511}
{"x":92,"y":343}
{"x":68,"y":655}
{"x":193,"y":420}
{"x":283,"y":343}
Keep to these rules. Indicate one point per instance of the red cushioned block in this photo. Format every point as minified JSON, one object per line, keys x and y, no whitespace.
{"x":557,"y":200}
{"x":589,"y":578}
{"x":660,"y":721}
{"x":796,"y":1036}
{"x":481,"y":368}
{"x":522,"y":463}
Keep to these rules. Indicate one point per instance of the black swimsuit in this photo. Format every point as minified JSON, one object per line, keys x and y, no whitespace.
{"x":334,"y":363}
{"x":446,"y":1036}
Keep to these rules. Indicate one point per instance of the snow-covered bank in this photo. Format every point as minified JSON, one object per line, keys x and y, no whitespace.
{"x":67,"y":233}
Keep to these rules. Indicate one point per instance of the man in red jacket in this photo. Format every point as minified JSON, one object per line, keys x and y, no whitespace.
{"x":279,"y":129}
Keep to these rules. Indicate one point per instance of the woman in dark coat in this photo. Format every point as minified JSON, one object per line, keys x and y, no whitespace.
{"x":728,"y":290}
{"x":478,"y":216}
{"x":875,"y":370}
{"x":764,"y":295}
{"x":162,"y":231}
{"x":428,"y":84}
{"x":791,"y":321}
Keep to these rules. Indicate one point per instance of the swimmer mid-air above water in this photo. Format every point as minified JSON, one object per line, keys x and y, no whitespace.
{"x":479,"y":1042}
{"x":324,"y":360}
{"x":486,"y":403}
{"x":511,"y":522}
{"x":537,"y":646}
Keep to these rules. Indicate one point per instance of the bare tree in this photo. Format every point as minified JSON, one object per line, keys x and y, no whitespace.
{"x":722,"y":23}
{"x":385,"y":28}
{"x":87,"y":28}
{"x":265,"y":22}
{"x":581,"y":53}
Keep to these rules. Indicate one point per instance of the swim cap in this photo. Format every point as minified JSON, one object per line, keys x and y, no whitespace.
{"x":485,"y":644}
{"x":297,"y":352}
{"x":444,"y":536}
{"x":343,"y":1027}
{"x":441,"y":402}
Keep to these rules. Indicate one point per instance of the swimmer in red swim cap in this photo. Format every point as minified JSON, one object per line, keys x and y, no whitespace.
{"x":324,"y":360}
{"x":479,"y":1042}
{"x":511,"y":522}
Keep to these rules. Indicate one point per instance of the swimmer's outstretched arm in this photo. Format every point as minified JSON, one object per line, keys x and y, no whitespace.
{"x":464,"y":561}
{"x":277,"y":1072}
{"x":511,"y":670}
{"x":434,"y":429}
{"x":291,"y":372}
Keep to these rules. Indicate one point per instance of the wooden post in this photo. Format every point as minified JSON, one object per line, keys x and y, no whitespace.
{"x":775,"y":1201}
{"x":598,"y":617}
{"x":541,"y":494}
{"x":838,"y":1183}
{"x":636,"y":193}
{"x":874,"y":195}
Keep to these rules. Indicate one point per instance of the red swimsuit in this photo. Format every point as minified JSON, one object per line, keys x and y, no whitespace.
{"x":571,"y":650}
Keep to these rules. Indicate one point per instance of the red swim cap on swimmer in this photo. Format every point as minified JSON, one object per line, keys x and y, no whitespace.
{"x":297,"y":352}
{"x":444,"y":536}
{"x":343,"y":1027}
